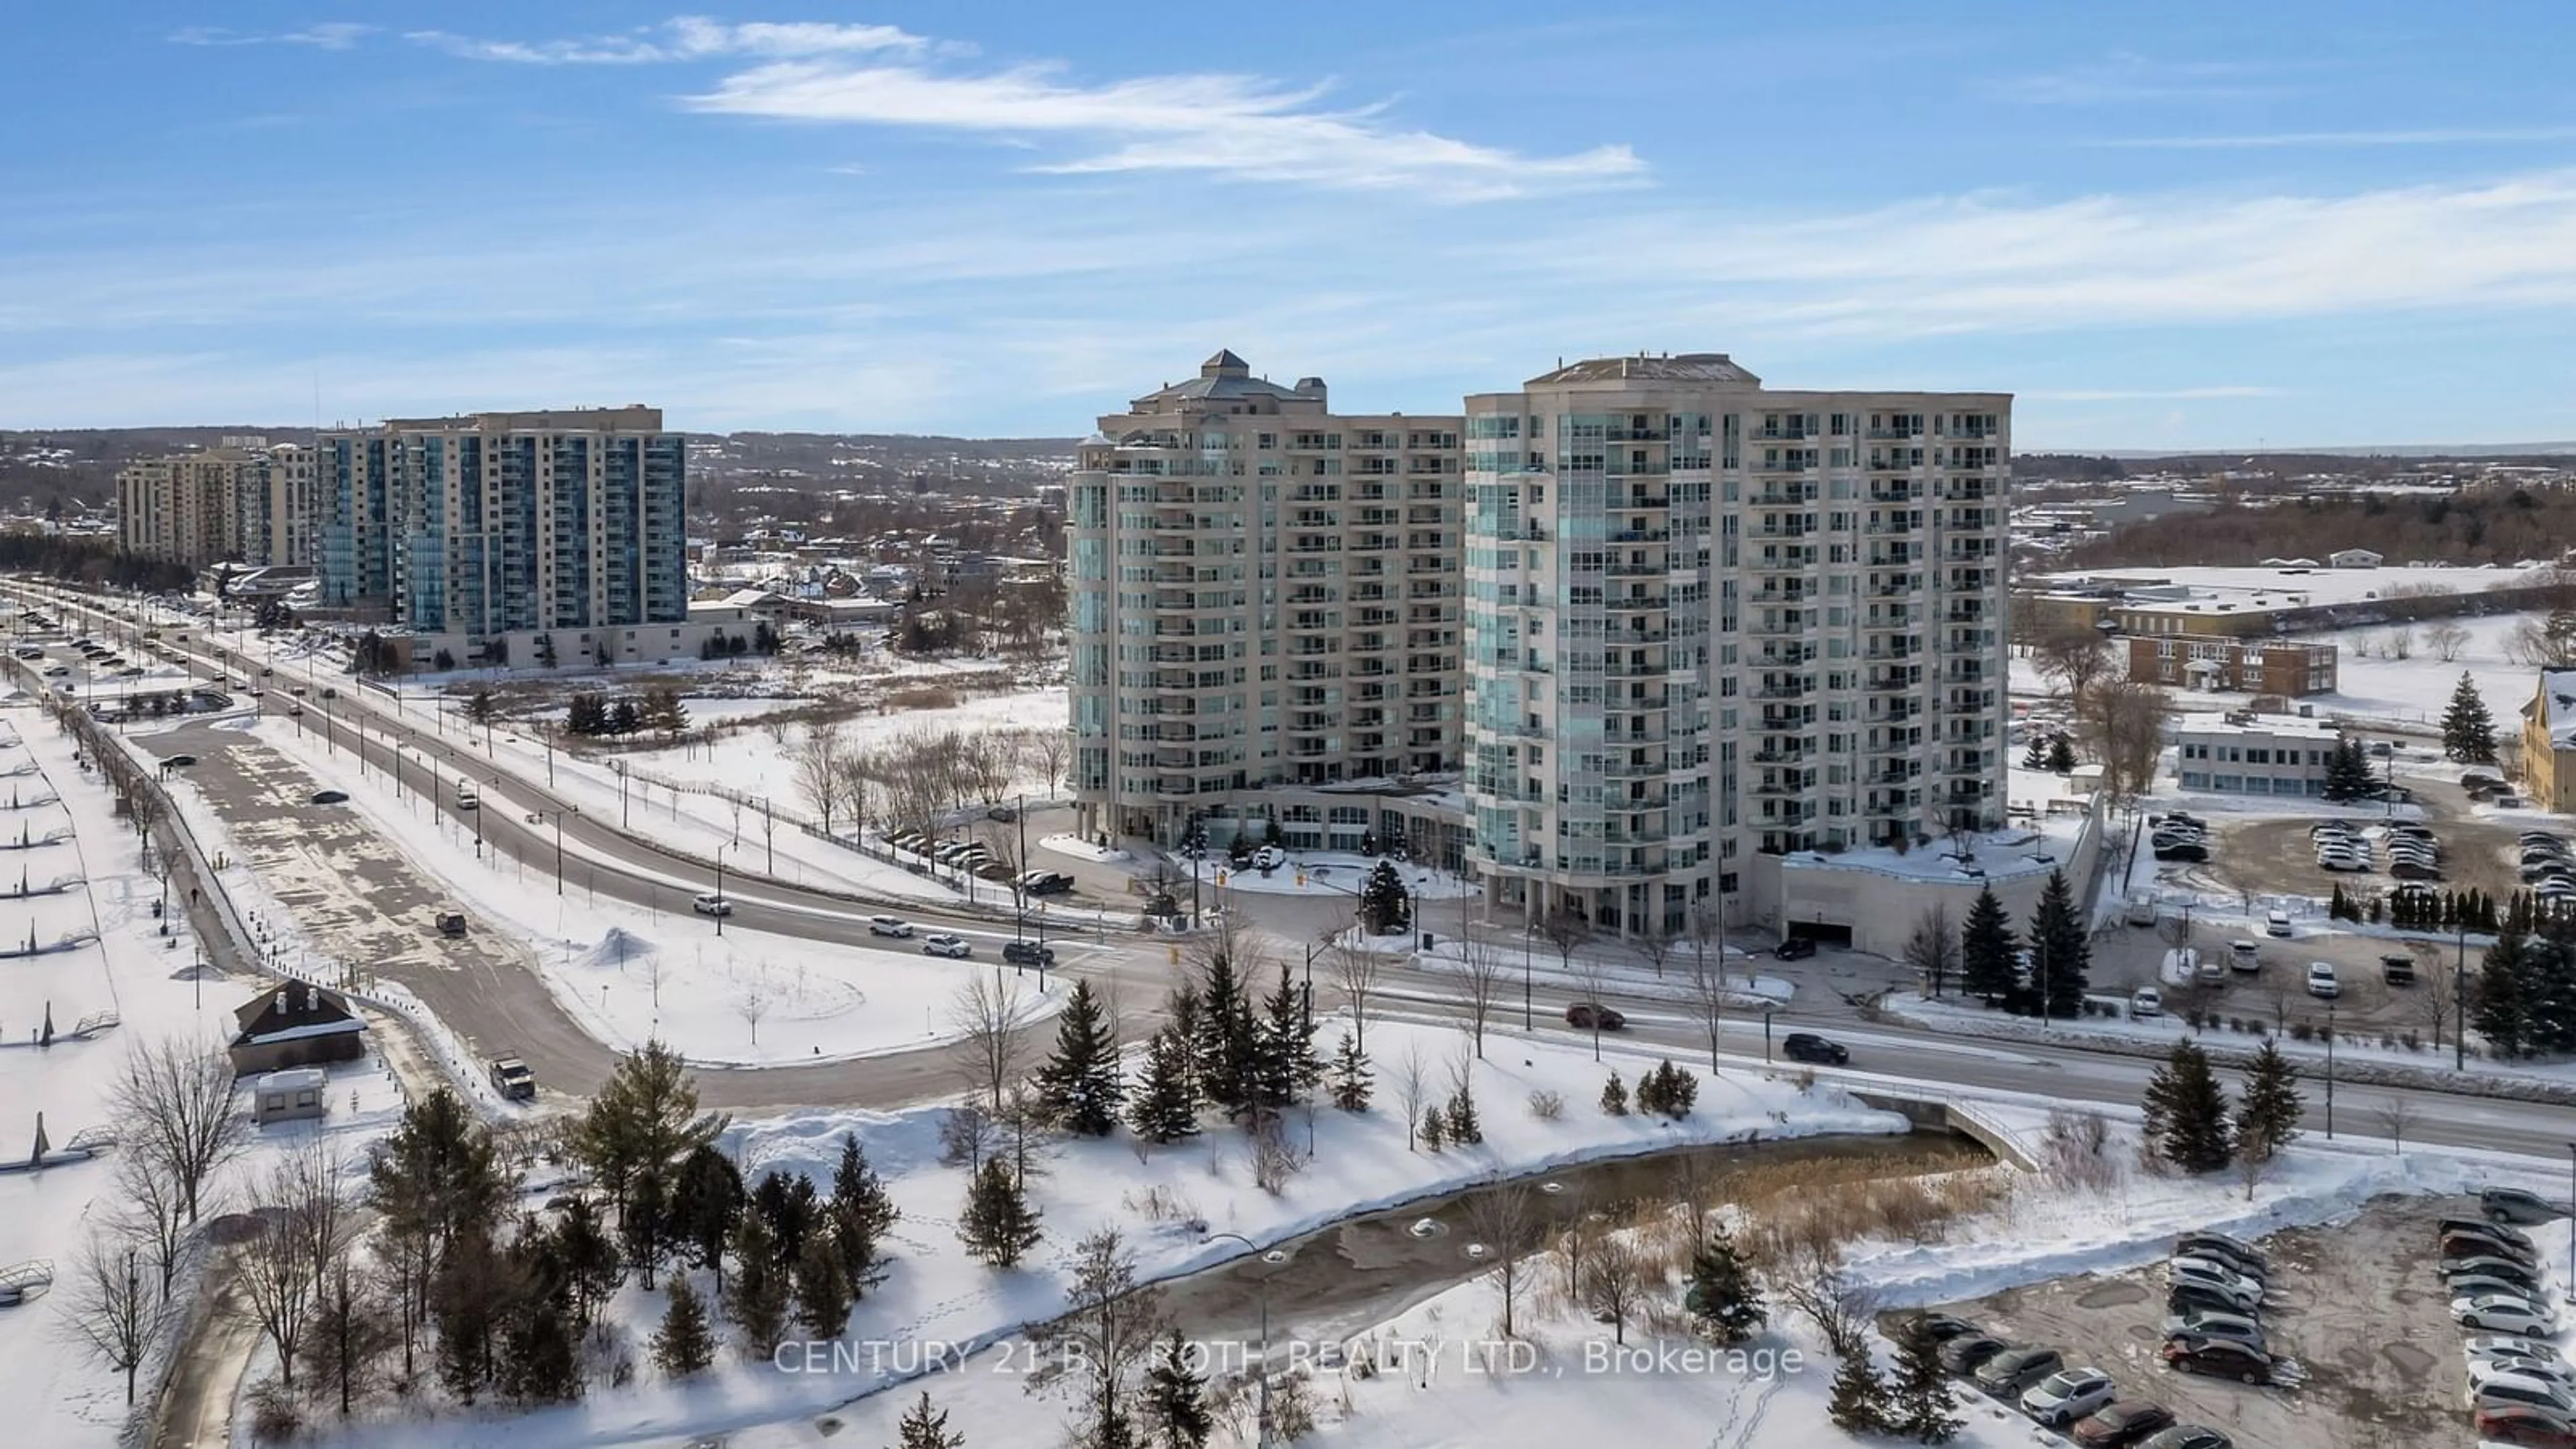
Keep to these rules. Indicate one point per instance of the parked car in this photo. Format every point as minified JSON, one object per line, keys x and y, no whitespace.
{"x":512,"y":1079}
{"x":1968,"y":1352}
{"x":2276,"y":923}
{"x":2504,"y":1312}
{"x":2188,"y":1436}
{"x":1806,"y":1046}
{"x":2516,"y":1282}
{"x":944,"y":945}
{"x":2218,"y":1358}
{"x":1943,"y":1327}
{"x":2475,"y":1245}
{"x":1269,"y":857}
{"x":2489,"y":1229}
{"x":2242,"y":1328}
{"x":2014,"y":1369}
{"x":2068,"y":1395}
{"x":710,"y":904}
{"x":1796,"y":948}
{"x":2554,"y":1371}
{"x":2508,"y":1345}
{"x":2527,"y":1425}
{"x":2222,"y":1247}
{"x":2513,"y":1205}
{"x":2146,"y":1001}
{"x":2244,"y":956}
{"x":2520,"y":1388}
{"x":1028,"y":953}
{"x":2122,"y":1423}
{"x":889,"y":926}
{"x":451,"y":921}
{"x":2200,"y":1297}
{"x":1586,"y":1015}
{"x":2490,"y":1265}
{"x":2397,"y":970}
{"x":2211,"y":1273}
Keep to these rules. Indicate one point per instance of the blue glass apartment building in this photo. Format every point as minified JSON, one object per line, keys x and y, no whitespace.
{"x":473,"y":529}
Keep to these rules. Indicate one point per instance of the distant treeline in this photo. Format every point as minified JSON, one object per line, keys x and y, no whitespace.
{"x":93,"y":562}
{"x":2502,"y":526}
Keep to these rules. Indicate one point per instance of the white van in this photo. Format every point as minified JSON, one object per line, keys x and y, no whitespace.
{"x":2245,"y":956}
{"x":2276,"y":923}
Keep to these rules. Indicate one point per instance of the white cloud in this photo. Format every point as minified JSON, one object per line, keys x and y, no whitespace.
{"x":2146,"y":394}
{"x":689,"y":37}
{"x":2129,"y":78}
{"x":1230,"y":124}
{"x":2459,"y":136}
{"x":328,"y":35}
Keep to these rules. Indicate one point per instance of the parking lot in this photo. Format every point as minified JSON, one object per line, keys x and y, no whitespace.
{"x":2357,"y":1308}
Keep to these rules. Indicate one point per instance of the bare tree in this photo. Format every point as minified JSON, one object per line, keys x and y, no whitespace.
{"x":302,"y":1224}
{"x":2074,"y":656}
{"x":1106,"y":1333}
{"x":1504,"y":1219}
{"x":1357,"y":972}
{"x":1564,"y":931}
{"x":151,"y":1210}
{"x":1810,"y":1279}
{"x":2124,"y":724}
{"x":1654,"y":948}
{"x":1412,"y":1088}
{"x":2446,"y":638}
{"x":174,"y":1104}
{"x":323,"y":1209}
{"x":113,"y":1310}
{"x":988,"y":1015}
{"x":1708,"y":995}
{"x":818,"y":771}
{"x":2394,"y":1115}
{"x":1049,"y":750}
{"x":2399,"y":642}
{"x":2434,"y":1003}
{"x":1594,"y":973}
{"x":1614,"y":1283}
{"x":1933,"y":949}
{"x":753,"y":994}
{"x":1481,"y":976}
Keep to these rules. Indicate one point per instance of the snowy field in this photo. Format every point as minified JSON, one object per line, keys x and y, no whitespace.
{"x":127,"y":970}
{"x":2418,"y":688}
{"x":936,"y":1294}
{"x":1327,"y":873}
{"x":2319,"y":585}
{"x":630,"y":976}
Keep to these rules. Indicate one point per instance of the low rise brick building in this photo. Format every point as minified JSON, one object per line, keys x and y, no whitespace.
{"x":2218,"y":664}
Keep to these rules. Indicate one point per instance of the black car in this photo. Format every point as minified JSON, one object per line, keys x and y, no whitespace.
{"x":330,"y":797}
{"x":1943,"y":1327}
{"x":1028,"y":953}
{"x":2513,"y":1205}
{"x":2196,"y":1297}
{"x":1806,"y":1046}
{"x":1796,"y":948}
{"x":1969,"y":1351}
{"x":2189,"y":1436}
{"x":1585,"y":1016}
{"x":2218,"y":1358}
{"x":2484,"y":1228}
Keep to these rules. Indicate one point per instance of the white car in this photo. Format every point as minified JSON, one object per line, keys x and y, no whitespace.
{"x":2211,"y":1273}
{"x":889,"y":926}
{"x":2503,"y":1312}
{"x":1269,"y":857}
{"x":711,"y":905}
{"x":2276,"y":923}
{"x":2068,"y":1395}
{"x":952,"y":946}
{"x":2556,"y":1371}
{"x":2146,"y":1001}
{"x":2508,"y":1345}
{"x":2322,"y":981}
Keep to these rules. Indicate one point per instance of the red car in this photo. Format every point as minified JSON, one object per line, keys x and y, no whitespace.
{"x":2526,"y":1424}
{"x":2121,"y":1423}
{"x":2218,"y":1358}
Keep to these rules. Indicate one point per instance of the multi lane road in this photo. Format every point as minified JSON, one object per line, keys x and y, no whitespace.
{"x":498,"y":1002}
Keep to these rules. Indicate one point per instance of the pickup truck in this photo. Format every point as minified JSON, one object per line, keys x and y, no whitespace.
{"x":512,"y":1079}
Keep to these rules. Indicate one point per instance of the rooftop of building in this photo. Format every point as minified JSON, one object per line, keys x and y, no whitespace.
{"x":2287,"y":726}
{"x":627,"y":418}
{"x":1700,"y":367}
{"x":1228,"y":378}
{"x":2556,"y":699}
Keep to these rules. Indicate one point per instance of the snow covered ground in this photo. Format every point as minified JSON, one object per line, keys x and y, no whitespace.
{"x":149,"y":984}
{"x":2369,"y":681}
{"x":630,"y":976}
{"x":1333,"y":873}
{"x":1166,"y":1200}
{"x":1443,"y":1378}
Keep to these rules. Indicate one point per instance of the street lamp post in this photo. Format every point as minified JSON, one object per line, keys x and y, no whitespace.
{"x":1526,"y":1019}
{"x":2460,"y":1004}
{"x":1261,"y":1409}
{"x":720,"y":895}
{"x":2330,"y":1036}
{"x":1767,"y":1009}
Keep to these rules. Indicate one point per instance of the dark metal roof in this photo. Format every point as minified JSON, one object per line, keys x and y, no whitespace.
{"x":1652,"y":367}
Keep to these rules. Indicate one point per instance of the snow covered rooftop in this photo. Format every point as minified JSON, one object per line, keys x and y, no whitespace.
{"x":2314,"y":585}
{"x":2279,"y":726}
{"x":2557,"y":700}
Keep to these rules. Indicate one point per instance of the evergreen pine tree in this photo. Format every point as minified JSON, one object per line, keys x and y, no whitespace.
{"x":2061,"y":756}
{"x":1679,"y":1093}
{"x":1226,"y":1037}
{"x":2348,"y":775}
{"x":1859,"y":1402}
{"x":1181,"y":1018}
{"x":2061,"y":951}
{"x":1986,"y":947}
{"x":923,"y":1427}
{"x":587,"y":1257}
{"x":1614,"y":1097}
{"x":1386,"y":907}
{"x":706,"y":1202}
{"x":1162,"y":1108}
{"x":1435,"y":1126}
{"x":683,"y":1344}
{"x":757,"y":1298}
{"x":1079,"y":1087}
{"x":1176,"y":1411}
{"x":1351,"y":1075}
{"x":1924,"y":1410}
{"x":539,"y":1358}
{"x":1284,"y":1066}
{"x":2185,"y":1100}
{"x":861,"y":1214}
{"x":998,"y":1225}
{"x":2468,"y":731}
{"x":2498,"y":1009}
{"x":1650,"y":1091}
{"x":2548,"y":977}
{"x":1463,"y":1126}
{"x":822,"y":1287}
{"x":2267,"y":1112}
{"x":1723,"y":1298}
{"x":2036,"y":756}
{"x":2335,"y":906}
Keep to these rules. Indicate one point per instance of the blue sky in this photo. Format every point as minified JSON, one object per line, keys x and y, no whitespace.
{"x":2176,"y":225}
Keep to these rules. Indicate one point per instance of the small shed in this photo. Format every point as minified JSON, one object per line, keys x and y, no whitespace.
{"x":293,"y":1095}
{"x":2354,"y":558}
{"x":297,"y":1024}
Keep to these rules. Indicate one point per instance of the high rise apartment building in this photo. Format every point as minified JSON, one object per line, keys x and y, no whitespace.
{"x":273,"y":509}
{"x":184,"y":508}
{"x":1265,"y":600}
{"x":1711,"y":625}
{"x":477,"y":528}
